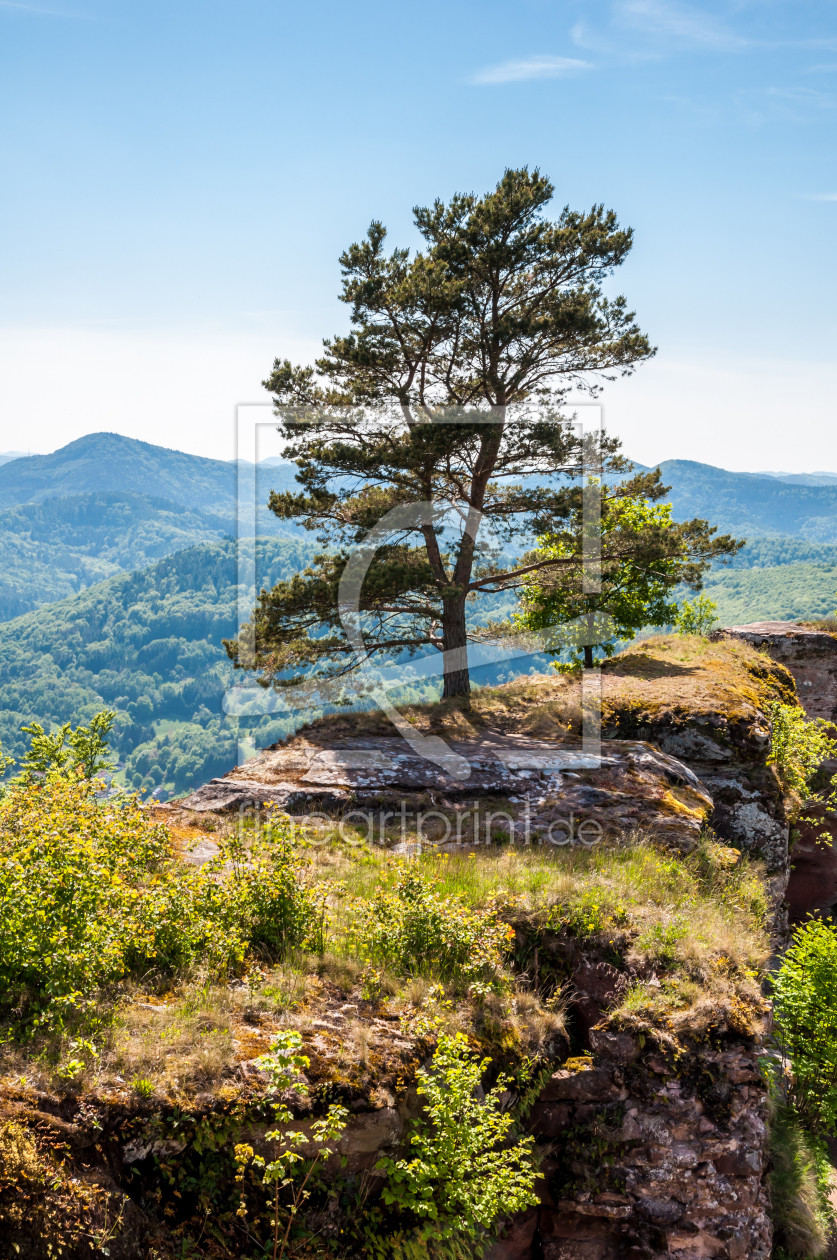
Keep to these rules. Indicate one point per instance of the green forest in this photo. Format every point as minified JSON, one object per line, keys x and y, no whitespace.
{"x":147,"y":645}
{"x":54,"y":549}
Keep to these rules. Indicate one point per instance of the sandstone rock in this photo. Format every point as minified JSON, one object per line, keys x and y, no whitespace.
{"x":738,"y":1164}
{"x":621,"y":1047}
{"x":660,"y":1211}
{"x":560,"y":794}
{"x":548,"y":1120}
{"x":594,"y":1085}
{"x":516,"y":1240}
{"x":370,"y":1131}
{"x":809,"y":654}
{"x":232,"y":793}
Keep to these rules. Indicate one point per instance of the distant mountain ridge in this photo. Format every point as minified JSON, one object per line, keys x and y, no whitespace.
{"x":750,"y":505}
{"x":106,"y":504}
{"x":108,"y":461}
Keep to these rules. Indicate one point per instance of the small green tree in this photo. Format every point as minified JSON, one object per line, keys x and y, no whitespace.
{"x":644,"y":555}
{"x":464,"y":1173}
{"x":83,"y":750}
{"x":697,"y":617}
{"x":289,"y":1172}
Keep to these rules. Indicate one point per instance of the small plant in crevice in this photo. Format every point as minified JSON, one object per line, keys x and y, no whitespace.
{"x":798,"y":747}
{"x":467,"y":1167}
{"x":288,"y":1175}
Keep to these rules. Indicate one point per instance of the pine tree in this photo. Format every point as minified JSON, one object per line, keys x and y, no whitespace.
{"x":448,"y":390}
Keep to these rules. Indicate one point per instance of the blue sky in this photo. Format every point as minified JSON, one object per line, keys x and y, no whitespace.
{"x":180,"y":178}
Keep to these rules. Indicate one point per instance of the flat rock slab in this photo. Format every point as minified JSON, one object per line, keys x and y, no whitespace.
{"x":631,"y":784}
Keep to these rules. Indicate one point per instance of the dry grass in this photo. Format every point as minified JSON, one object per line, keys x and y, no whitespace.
{"x":684,"y":673}
{"x":177,"y":1046}
{"x":692,"y":931}
{"x":829,"y":624}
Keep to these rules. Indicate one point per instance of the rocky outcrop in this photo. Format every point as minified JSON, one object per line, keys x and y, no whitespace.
{"x":651,"y":1160}
{"x":651,"y":1149}
{"x":685,"y":741}
{"x":554,"y":792}
{"x":809,"y":654}
{"x":729,"y":754}
{"x":812,"y":886}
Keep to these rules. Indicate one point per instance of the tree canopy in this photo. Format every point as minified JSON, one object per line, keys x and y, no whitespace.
{"x":447,"y":392}
{"x":643,"y":555}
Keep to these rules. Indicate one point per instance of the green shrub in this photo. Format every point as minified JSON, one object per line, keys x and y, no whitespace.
{"x":412,"y":929}
{"x":590,"y":912}
{"x":659,"y":942}
{"x":91,"y":891}
{"x":289,"y":1173}
{"x":798,"y":746}
{"x":697,"y":616}
{"x":805,"y":998}
{"x":466,"y":1170}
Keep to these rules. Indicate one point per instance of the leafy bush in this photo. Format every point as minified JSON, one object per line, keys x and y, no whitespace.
{"x":805,"y":997}
{"x":697,"y":616}
{"x":465,"y":1171}
{"x":412,"y":929}
{"x":798,"y":746}
{"x":92,"y":891}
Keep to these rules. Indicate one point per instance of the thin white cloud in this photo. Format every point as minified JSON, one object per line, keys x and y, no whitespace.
{"x":671,"y":20}
{"x":805,"y":96}
{"x":36,"y":8}
{"x":536,"y":67}
{"x":819,"y":196}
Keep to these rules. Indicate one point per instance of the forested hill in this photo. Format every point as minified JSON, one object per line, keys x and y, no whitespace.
{"x":751,"y":505}
{"x":147,"y":644}
{"x":107,"y":461}
{"x":57,"y":548}
{"x":106,"y":504}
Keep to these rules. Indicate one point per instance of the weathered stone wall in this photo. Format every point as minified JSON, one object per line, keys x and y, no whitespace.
{"x":647,"y":1161}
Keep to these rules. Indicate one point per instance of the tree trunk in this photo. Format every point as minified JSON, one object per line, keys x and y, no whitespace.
{"x":457,"y":679}
{"x":588,"y":656}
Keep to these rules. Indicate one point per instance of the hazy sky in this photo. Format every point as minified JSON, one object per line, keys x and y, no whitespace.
{"x":180,"y":178}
